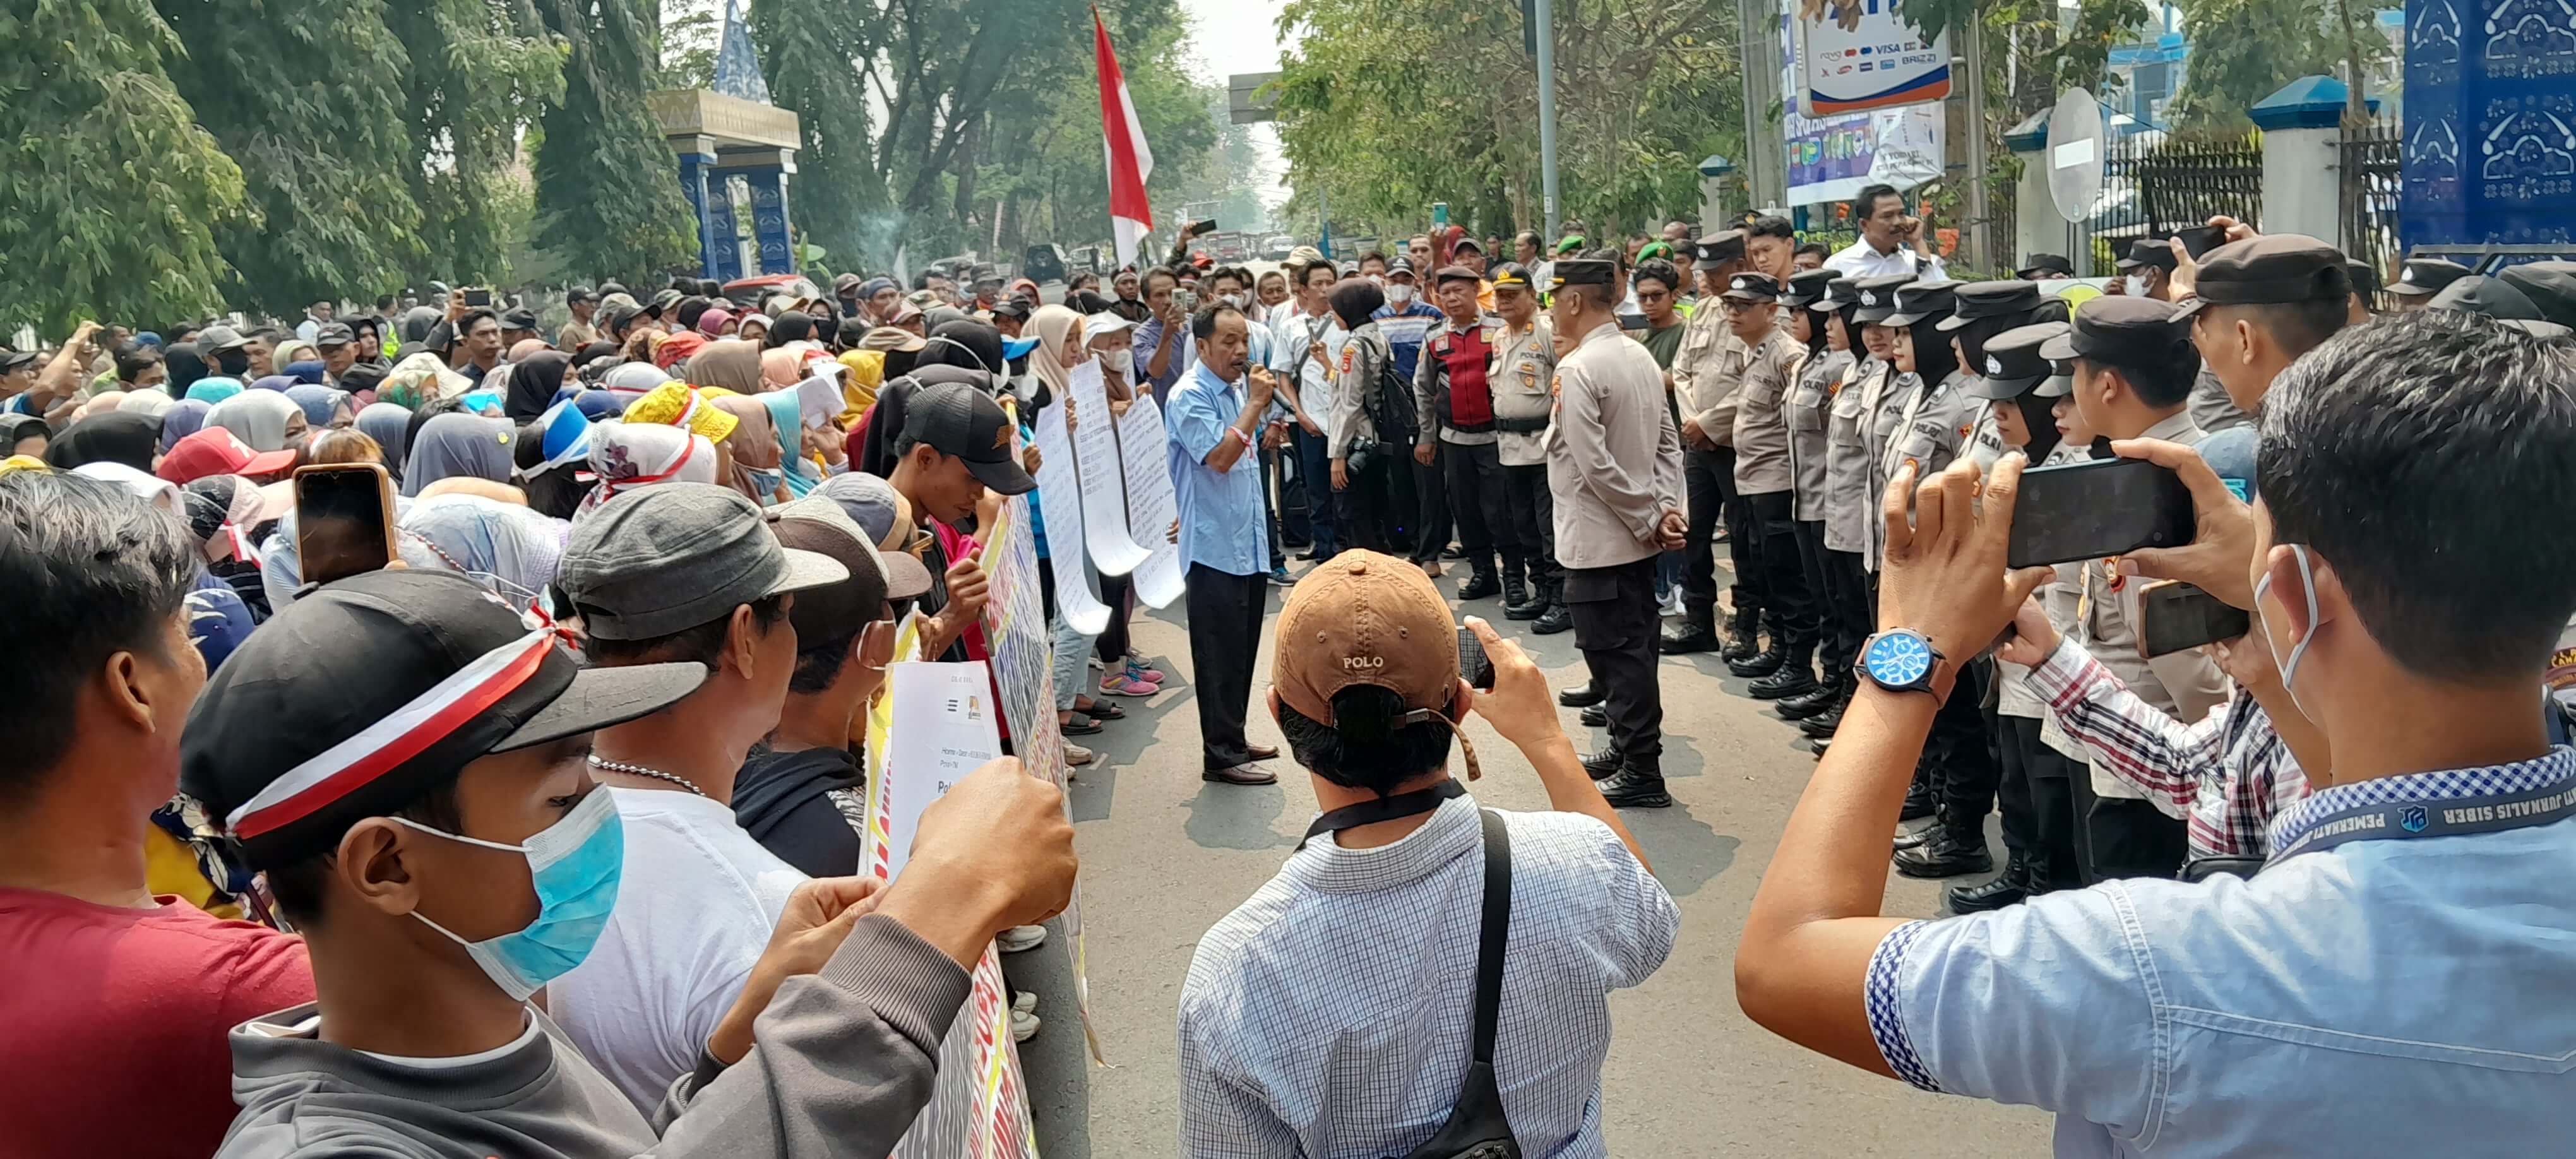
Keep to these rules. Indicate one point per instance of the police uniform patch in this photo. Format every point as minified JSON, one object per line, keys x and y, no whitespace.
{"x":1963,"y":429}
{"x":1346,"y":360}
{"x":1442,"y":344}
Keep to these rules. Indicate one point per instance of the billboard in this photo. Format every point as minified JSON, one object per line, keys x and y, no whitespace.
{"x":1857,"y":56}
{"x":1832,"y":155}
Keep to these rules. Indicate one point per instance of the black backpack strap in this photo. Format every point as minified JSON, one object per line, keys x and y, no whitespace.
{"x":1494,"y":932}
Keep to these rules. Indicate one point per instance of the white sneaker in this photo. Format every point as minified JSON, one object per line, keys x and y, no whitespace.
{"x":1018,"y":938}
{"x":1024,"y":1026}
{"x":1024,"y":1002}
{"x":1075,"y":755}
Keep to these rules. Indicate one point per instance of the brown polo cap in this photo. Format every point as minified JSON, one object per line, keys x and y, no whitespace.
{"x":1366,"y":618}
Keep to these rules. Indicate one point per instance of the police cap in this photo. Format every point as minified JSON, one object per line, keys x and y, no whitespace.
{"x":1978,"y":301}
{"x":2123,"y":331}
{"x":2013,"y":362}
{"x":2274,"y":269}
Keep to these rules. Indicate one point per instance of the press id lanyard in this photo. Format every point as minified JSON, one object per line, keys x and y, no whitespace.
{"x":2444,"y":817}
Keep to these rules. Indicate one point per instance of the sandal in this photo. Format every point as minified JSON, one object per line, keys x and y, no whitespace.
{"x":1080,"y":725}
{"x":1103,"y":710}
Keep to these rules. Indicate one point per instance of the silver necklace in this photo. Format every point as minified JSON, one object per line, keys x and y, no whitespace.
{"x":640,"y":771}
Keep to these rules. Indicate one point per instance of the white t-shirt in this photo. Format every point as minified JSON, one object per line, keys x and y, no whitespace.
{"x":696,"y":904}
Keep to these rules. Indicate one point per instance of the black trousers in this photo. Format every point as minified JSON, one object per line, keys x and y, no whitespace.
{"x":1530,"y":514}
{"x":1361,"y":508}
{"x":1709,"y":479}
{"x":1430,"y":501}
{"x":1789,"y":603}
{"x":1225,"y":632}
{"x":2046,"y":790}
{"x":1117,"y":592}
{"x":1316,"y":466}
{"x":1616,"y":628}
{"x":1848,"y":615}
{"x":1959,"y":755}
{"x":1270,"y":504}
{"x":2128,"y":838}
{"x":1810,"y":534}
{"x":1472,"y":474}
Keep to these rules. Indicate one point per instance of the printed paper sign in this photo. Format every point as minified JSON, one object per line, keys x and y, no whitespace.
{"x":1150,"y":503}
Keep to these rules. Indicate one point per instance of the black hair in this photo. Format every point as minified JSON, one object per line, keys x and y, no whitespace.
{"x":1146,"y":282}
{"x":2412,"y":454}
{"x":921,"y":281}
{"x":2158,"y":382}
{"x":1378,"y":256}
{"x":465,"y":321}
{"x":1659,"y":270}
{"x":1530,"y":236}
{"x":91,"y":571}
{"x":819,"y":663}
{"x":1814,"y":247}
{"x":1306,"y":272}
{"x":1203,"y":323}
{"x":1933,"y":360}
{"x":2298,"y":326}
{"x":1364,"y":749}
{"x":300,"y":886}
{"x":1770,"y":225}
{"x":1354,"y":300}
{"x":704,"y":643}
{"x":1236,"y":274}
{"x":384,"y":301}
{"x":133,"y":358}
{"x":1865,"y":203}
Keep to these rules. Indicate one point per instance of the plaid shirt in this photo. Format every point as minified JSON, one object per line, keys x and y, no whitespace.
{"x":2227,"y":777}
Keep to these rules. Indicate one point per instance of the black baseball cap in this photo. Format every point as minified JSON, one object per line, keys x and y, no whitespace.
{"x":1582,"y":272}
{"x":1978,"y":301}
{"x":2014,"y":363}
{"x":1877,"y":296}
{"x":2487,"y":297}
{"x":1016,"y":306}
{"x":1751,"y":287}
{"x":1400,"y":265}
{"x":1511,"y":274}
{"x":579,"y":294}
{"x":1917,"y":301}
{"x":519,"y":318}
{"x":2045,"y":264}
{"x":953,"y":418}
{"x":1467,"y":243}
{"x":2426,"y":276}
{"x":2550,"y":285}
{"x":220,"y":337}
{"x":2123,"y":331}
{"x":13,"y":359}
{"x":1726,"y":245}
{"x":2148,"y":251}
{"x":669,"y":558}
{"x":1808,"y":287}
{"x":366,"y":693}
{"x":2274,"y":269}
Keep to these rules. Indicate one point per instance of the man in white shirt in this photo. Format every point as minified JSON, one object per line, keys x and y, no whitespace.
{"x":1304,"y":323}
{"x":1332,"y":1013}
{"x":1891,"y":241}
{"x":683,"y":571}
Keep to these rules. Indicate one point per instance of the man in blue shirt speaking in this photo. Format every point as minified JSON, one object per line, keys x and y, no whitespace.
{"x":2394,"y":981}
{"x":1216,"y":422}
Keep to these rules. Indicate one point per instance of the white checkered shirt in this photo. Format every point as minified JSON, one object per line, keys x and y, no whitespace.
{"x":1329,"y":1015}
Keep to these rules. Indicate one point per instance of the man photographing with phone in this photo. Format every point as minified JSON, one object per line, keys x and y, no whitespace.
{"x":2394,"y":569}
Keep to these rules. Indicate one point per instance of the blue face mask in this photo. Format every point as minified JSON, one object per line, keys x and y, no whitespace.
{"x":574,"y":864}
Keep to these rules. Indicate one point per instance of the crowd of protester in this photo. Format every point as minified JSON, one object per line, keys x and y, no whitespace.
{"x":541,"y":840}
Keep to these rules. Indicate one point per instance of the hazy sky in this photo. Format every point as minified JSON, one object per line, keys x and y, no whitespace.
{"x":1236,"y":36}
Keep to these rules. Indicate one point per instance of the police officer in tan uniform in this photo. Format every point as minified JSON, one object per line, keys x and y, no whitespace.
{"x":1705,"y":378}
{"x":1524,"y":366}
{"x":1764,"y":484}
{"x":1614,"y":466}
{"x":1828,"y":354}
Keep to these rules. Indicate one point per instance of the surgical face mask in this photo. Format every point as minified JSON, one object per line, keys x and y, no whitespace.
{"x":1399,"y":294}
{"x":765,"y":481}
{"x":1119,"y":362}
{"x":574,"y":865}
{"x":2136,"y":285}
{"x":1234,"y":300}
{"x":2299,"y":650}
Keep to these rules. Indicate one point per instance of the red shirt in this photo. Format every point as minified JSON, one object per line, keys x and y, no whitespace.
{"x":1464,"y":354}
{"x":117,"y":1019}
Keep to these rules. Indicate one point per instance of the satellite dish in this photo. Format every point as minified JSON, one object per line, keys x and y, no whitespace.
{"x":2075,"y":154}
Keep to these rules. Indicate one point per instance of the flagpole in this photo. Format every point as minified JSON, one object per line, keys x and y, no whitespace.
{"x":1546,"y":17}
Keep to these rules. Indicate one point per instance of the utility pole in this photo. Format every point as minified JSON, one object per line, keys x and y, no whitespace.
{"x":1766,"y":180}
{"x":1545,"y":16}
{"x":1980,"y":238}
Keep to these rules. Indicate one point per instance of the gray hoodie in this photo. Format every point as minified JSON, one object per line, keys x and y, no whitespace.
{"x":843,"y":1063}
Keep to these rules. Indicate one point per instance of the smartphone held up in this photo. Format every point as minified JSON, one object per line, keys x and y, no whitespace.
{"x":2097,"y":509}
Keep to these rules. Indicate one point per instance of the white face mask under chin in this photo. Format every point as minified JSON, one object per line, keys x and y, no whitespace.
{"x":2298,"y":650}
{"x":1399,"y":294}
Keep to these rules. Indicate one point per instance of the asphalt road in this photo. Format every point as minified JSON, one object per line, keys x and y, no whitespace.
{"x":1164,"y":855}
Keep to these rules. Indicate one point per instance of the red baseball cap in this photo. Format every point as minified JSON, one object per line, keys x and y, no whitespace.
{"x":216,"y":451}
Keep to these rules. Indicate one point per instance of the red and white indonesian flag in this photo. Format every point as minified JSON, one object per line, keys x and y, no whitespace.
{"x":1130,"y":161}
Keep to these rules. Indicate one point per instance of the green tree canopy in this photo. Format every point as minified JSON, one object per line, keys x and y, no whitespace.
{"x":607,"y":188}
{"x":810,"y":53}
{"x":113,"y":192}
{"x":481,"y":70}
{"x":322,"y":150}
{"x":2244,"y":50}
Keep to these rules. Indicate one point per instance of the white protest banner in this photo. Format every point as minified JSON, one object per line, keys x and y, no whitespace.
{"x":1104,"y":506}
{"x":945,"y":726}
{"x":1150,"y":504}
{"x":1061,"y":497}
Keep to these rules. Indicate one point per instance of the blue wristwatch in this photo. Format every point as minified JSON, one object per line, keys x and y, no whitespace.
{"x":1903,"y":660}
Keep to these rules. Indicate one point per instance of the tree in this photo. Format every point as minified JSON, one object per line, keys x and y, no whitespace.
{"x":607,"y":187}
{"x":2244,"y":50}
{"x":113,"y":192}
{"x":810,"y":53}
{"x":481,"y":72}
{"x":689,"y":35}
{"x":322,"y":151}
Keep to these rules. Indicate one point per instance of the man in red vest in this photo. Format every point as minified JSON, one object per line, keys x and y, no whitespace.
{"x":1450,"y":393}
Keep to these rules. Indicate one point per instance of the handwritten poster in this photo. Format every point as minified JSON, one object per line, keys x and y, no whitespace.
{"x":1104,"y":508}
{"x":1061,"y":496}
{"x":1150,"y":503}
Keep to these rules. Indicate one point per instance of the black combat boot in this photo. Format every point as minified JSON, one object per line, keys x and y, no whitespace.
{"x":1947,"y":852}
{"x":1810,"y":704}
{"x":2008,"y":888}
{"x":1482,"y":584}
{"x":1603,"y":765}
{"x":1743,"y":636}
{"x":1583,"y":695}
{"x":1636,"y":788}
{"x":1557,"y":618}
{"x":1763,"y":663}
{"x":1517,"y":604}
{"x":1796,"y":676}
{"x":1694,"y":634}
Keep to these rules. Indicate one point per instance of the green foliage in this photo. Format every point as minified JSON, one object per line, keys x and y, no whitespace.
{"x":809,"y":51}
{"x":480,"y":71}
{"x":1389,"y":105}
{"x":2244,"y":50}
{"x":689,"y":39}
{"x":112,"y":190}
{"x":1047,"y":165}
{"x":608,"y":193}
{"x":322,"y":150}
